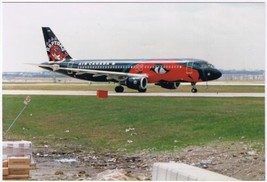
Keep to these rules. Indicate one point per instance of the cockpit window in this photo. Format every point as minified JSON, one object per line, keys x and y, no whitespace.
{"x":205,"y":65}
{"x":210,"y":66}
{"x":198,"y":65}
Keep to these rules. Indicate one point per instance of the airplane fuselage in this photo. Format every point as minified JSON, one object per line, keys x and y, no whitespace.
{"x":157,"y":70}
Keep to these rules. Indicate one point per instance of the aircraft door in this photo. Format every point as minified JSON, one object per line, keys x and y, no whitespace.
{"x":70,"y":64}
{"x":189,"y":67}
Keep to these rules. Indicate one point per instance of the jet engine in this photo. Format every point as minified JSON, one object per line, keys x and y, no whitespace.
{"x":169,"y":85}
{"x":137,"y":83}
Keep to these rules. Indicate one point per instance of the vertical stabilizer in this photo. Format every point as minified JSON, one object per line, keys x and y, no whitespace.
{"x":55,"y":50}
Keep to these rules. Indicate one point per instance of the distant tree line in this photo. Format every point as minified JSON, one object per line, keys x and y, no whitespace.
{"x":243,"y":72}
{"x":45,"y":74}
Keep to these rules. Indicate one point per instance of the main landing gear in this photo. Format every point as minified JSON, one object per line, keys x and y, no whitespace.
{"x":142,"y":90}
{"x":194,"y":89}
{"x":119,"y":89}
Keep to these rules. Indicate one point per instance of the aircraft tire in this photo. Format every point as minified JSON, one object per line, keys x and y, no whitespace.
{"x":194,"y":90}
{"x":141,"y":90}
{"x":119,"y":89}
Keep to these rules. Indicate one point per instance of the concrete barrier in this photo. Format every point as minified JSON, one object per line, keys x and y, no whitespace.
{"x":184,"y":172}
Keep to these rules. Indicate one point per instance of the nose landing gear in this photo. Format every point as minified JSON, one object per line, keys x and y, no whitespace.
{"x":194,"y":89}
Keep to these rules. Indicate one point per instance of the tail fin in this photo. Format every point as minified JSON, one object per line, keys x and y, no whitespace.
{"x":55,"y":50}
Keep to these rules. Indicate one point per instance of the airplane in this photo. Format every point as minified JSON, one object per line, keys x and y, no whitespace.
{"x":133,"y":73}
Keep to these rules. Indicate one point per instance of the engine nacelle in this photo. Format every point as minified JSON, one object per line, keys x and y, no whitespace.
{"x":169,"y":85}
{"x":137,"y":83}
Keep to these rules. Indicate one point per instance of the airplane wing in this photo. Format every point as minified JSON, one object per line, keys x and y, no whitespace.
{"x":109,"y":74}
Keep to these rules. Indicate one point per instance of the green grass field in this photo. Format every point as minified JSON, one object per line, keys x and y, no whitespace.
{"x":160,"y":123}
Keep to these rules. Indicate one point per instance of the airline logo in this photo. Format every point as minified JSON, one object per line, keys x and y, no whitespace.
{"x":55,"y":50}
{"x":159,"y":69}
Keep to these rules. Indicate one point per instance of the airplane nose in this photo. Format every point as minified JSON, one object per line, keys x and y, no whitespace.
{"x":217,"y":74}
{"x":213,"y":74}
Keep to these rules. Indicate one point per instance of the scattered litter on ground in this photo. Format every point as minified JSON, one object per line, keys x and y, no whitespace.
{"x":129,"y":129}
{"x":65,"y":160}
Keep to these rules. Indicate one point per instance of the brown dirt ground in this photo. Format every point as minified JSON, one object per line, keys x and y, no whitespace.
{"x":239,"y":160}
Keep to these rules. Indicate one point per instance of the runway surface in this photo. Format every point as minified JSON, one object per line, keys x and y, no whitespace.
{"x":162,"y":94}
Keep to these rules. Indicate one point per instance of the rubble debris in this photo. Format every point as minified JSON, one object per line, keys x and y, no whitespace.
{"x":115,"y":175}
{"x":59,"y":173}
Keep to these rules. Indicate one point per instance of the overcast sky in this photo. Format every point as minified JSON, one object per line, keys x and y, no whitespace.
{"x":228,"y":35}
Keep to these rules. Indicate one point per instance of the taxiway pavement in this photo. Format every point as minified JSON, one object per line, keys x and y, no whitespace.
{"x":162,"y":94}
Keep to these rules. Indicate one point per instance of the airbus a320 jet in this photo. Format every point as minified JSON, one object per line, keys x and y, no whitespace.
{"x":132,"y":73}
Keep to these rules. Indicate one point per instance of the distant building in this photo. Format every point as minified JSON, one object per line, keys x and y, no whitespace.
{"x":242,"y":75}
